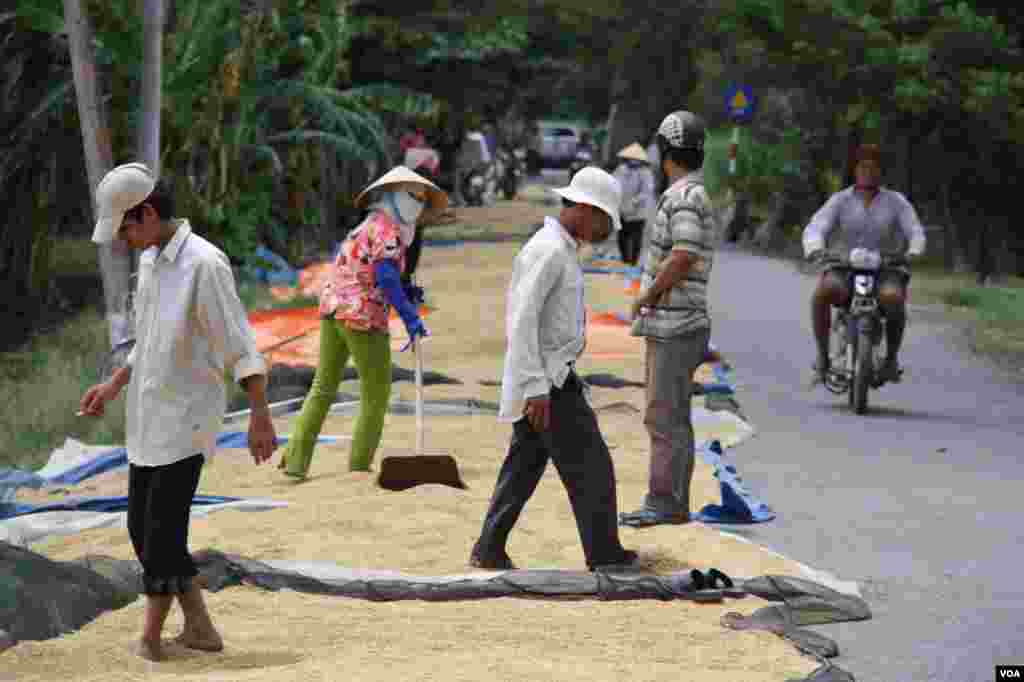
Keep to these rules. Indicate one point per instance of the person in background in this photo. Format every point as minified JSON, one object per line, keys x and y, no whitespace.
{"x":190,"y":328}
{"x":541,"y":393}
{"x":413,"y":139}
{"x":637,"y":180}
{"x":354,"y":306}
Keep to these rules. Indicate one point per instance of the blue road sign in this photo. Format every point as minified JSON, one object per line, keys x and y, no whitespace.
{"x":740,"y":103}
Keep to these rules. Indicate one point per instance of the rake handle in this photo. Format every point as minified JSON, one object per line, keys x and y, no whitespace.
{"x":419,"y":394}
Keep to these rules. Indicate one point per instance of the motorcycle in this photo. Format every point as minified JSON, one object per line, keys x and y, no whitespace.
{"x":858,"y":330}
{"x":514,"y":167}
{"x":477,"y":186}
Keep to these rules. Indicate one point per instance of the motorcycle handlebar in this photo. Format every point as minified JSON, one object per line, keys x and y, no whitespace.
{"x":887,"y":261}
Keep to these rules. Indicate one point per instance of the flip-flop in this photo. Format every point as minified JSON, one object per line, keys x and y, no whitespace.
{"x":645,"y":518}
{"x":716,"y":576}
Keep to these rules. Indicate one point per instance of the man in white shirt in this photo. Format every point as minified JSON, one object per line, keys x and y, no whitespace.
{"x":541,"y":394}
{"x":190,"y":327}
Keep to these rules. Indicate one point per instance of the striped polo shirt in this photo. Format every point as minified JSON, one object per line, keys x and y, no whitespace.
{"x":684,"y":222}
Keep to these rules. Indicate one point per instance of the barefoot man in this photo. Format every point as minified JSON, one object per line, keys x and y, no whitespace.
{"x":190,"y":327}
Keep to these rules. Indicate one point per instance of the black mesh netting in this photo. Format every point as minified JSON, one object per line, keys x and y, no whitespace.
{"x":41,"y":599}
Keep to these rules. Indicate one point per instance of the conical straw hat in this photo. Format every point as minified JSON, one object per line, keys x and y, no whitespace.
{"x":437,"y":198}
{"x":635,"y":152}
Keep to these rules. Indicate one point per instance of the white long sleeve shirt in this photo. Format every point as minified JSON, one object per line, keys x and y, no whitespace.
{"x":545,"y":318}
{"x":190,"y":326}
{"x":888,"y":224}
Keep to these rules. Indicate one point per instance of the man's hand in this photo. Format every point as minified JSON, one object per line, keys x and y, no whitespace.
{"x":538,"y":412}
{"x":642,"y":302}
{"x":262,"y":438}
{"x":93,"y":403}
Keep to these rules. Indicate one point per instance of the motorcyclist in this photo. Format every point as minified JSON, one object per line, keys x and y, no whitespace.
{"x":872,"y":217}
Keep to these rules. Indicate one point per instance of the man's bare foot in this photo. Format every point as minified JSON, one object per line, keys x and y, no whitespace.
{"x":149,"y":650}
{"x":208,"y":642}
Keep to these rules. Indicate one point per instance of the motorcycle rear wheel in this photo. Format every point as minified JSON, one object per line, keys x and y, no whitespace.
{"x":863,"y":372}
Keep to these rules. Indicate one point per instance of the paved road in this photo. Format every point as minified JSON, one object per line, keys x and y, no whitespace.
{"x":920,"y":500}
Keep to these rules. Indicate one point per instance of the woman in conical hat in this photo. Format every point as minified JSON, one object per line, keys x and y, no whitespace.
{"x":638,"y":199}
{"x":355,"y":303}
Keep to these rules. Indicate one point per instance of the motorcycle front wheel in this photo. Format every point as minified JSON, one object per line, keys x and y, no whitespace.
{"x":863,"y":371}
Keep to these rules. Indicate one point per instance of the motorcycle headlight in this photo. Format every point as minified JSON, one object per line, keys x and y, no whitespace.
{"x":863,"y":284}
{"x":865,"y":259}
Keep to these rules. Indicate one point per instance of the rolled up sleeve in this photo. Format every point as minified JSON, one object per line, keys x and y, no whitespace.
{"x":527,"y":295}
{"x":225,"y":323}
{"x":822,"y":222}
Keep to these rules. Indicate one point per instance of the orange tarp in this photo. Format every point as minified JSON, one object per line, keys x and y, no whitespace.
{"x":291,"y":336}
{"x":311,"y":280}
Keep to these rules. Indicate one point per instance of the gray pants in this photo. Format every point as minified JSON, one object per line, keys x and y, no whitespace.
{"x":670,"y":368}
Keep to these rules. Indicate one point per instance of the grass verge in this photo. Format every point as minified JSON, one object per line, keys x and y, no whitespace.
{"x":995,"y":313}
{"x":45,"y":379}
{"x":43,"y":383}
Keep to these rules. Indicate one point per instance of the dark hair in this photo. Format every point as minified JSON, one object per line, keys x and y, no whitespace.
{"x":160,"y":199}
{"x":693,"y":159}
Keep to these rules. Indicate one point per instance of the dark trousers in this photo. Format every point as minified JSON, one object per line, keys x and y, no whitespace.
{"x":159,"y":504}
{"x":630,"y":240}
{"x":574,"y":443}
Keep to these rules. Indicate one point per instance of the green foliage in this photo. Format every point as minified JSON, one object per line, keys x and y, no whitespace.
{"x":508,"y":35}
{"x":43,"y":384}
{"x":762,"y":170}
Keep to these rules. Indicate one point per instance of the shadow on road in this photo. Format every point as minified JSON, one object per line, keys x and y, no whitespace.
{"x":910,"y":415}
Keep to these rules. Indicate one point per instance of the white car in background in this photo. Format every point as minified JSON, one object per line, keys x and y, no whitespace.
{"x":558,"y":143}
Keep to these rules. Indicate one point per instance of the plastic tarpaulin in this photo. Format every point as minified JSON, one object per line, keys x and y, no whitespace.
{"x":75,"y":462}
{"x":28,"y":528}
{"x":739,"y":505}
{"x":272,"y":268}
{"x":291,"y":336}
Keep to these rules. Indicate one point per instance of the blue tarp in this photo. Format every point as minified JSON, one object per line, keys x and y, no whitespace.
{"x":115,"y":458}
{"x":93,"y":504}
{"x":739,"y":506}
{"x":281,"y":274}
{"x":630,"y":270}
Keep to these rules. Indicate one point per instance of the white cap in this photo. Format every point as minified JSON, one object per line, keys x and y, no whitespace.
{"x":595,"y":187}
{"x":123,"y":188}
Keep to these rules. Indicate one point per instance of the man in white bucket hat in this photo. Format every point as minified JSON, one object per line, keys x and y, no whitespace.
{"x":541,"y":394}
{"x":190,"y":327}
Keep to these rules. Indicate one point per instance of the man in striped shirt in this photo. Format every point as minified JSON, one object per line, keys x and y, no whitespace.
{"x":671,"y":312}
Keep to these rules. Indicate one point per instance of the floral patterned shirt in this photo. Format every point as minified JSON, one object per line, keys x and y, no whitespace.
{"x":351,"y":294}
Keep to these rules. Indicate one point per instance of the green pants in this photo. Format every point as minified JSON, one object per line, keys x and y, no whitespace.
{"x":371,"y":352}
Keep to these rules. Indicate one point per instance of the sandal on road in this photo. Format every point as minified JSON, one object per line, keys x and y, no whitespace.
{"x":645,"y":518}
